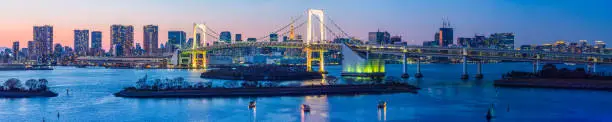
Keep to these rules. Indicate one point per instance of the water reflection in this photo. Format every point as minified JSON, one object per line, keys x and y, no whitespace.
{"x":382,"y":114}
{"x":253,"y":114}
{"x":319,"y":106}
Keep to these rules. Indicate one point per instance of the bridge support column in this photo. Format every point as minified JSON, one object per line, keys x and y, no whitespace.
{"x":308,"y":60}
{"x":322,"y":62}
{"x":594,"y":67}
{"x":465,"y":74}
{"x":536,"y":64}
{"x":479,"y":70}
{"x":204,"y":60}
{"x":194,"y":61}
{"x":418,"y":71}
{"x":405,"y":66}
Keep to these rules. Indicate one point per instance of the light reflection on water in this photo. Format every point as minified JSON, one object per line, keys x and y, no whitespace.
{"x":444,"y":97}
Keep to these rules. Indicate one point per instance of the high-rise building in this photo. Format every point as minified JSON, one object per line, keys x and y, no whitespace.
{"x":122,"y":40}
{"x":16,"y":50}
{"x":96,"y":39}
{"x":226,"y":37}
{"x":273,"y":37}
{"x":445,"y":35}
{"x":32,"y":50}
{"x":81,"y":42}
{"x":176,"y":40}
{"x":96,"y":43}
{"x":150,"y":39}
{"x":238,"y":37}
{"x":379,"y":37}
{"x":43,"y":35}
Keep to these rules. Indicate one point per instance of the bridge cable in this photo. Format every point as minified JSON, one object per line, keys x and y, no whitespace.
{"x":284,"y":27}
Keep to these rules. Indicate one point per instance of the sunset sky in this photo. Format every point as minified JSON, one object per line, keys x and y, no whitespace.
{"x":533,"y":21}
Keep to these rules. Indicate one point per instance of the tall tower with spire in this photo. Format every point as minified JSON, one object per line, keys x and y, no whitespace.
{"x":445,"y":35}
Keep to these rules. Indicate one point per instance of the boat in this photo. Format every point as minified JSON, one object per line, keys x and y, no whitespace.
{"x":382,"y":104}
{"x":570,"y":64}
{"x":305,"y":108}
{"x":251,"y":104}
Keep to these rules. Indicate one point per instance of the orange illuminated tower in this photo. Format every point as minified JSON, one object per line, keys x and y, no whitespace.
{"x":292,"y":32}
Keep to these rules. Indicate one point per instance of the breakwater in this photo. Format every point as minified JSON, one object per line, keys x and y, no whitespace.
{"x":272,"y":91}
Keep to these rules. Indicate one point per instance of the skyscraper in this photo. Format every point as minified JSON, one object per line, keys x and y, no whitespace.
{"x":96,"y":39}
{"x":43,"y":35}
{"x":122,"y":40}
{"x":238,"y":37}
{"x":273,"y":37}
{"x":445,"y":35}
{"x":226,"y":37}
{"x":176,"y":40}
{"x":96,"y":43}
{"x":16,"y":50}
{"x":150,"y":37}
{"x":81,"y":42}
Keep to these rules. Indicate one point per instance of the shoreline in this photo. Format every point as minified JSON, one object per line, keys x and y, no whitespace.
{"x":589,"y":84}
{"x":274,"y":91}
{"x":26,"y":94}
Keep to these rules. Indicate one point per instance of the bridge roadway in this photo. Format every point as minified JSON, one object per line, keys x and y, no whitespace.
{"x":421,"y":51}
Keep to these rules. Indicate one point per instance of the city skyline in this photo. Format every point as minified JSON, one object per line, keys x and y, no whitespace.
{"x":531,"y":21}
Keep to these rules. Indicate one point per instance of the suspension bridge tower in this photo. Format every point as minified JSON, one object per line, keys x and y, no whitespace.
{"x":319,"y":14}
{"x":198,"y":57}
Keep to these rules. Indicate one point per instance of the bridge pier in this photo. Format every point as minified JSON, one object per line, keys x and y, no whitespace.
{"x":418,"y":71}
{"x":322,"y":62}
{"x":479,"y":70}
{"x":594,"y":67}
{"x":536,"y":64}
{"x":465,"y":74}
{"x":405,"y":66}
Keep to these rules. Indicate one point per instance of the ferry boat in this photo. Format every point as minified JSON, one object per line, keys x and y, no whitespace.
{"x":382,"y":104}
{"x":252,"y":104}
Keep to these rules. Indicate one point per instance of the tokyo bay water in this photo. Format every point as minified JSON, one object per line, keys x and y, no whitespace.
{"x":443,"y":97}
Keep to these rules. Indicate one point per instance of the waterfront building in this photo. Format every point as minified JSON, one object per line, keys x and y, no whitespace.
{"x":430,"y":43}
{"x":238,"y":37}
{"x":599,"y":46}
{"x":122,"y":40}
{"x":479,"y":41}
{"x":379,"y":37}
{"x":81,"y":42}
{"x":503,"y":40}
{"x":43,"y":35}
{"x":96,"y":43}
{"x":465,"y":42}
{"x":16,"y":50}
{"x":176,"y":40}
{"x":226,"y":37}
{"x":273,"y":37}
{"x":150,"y":39}
{"x":251,"y":40}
